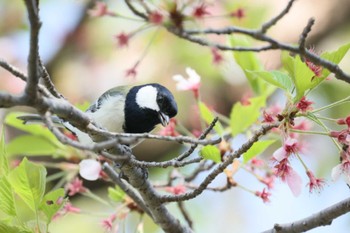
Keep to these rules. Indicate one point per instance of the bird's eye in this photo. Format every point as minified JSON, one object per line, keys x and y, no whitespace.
{"x":160,"y":99}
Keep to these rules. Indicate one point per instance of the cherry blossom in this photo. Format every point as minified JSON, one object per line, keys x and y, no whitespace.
{"x":178,"y":189}
{"x":108,"y":222}
{"x":287,"y":174}
{"x":200,"y":11}
{"x":156,"y":18}
{"x":343,"y":168}
{"x":264,"y":195}
{"x":191,"y":83}
{"x":304,"y":105}
{"x":314,"y":183}
{"x":239,"y":13}
{"x":90,"y":169}
{"x":290,"y":146}
{"x":122,"y":39}
{"x":76,"y":186}
{"x":100,"y":10}
{"x":170,"y":129}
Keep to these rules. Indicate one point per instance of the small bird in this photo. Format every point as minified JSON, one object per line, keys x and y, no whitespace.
{"x":128,"y":109}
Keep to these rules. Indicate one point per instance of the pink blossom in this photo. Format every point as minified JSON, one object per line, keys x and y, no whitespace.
{"x":122,"y":39}
{"x":90,"y":169}
{"x":108,"y":222}
{"x":314,"y":183}
{"x":178,"y":189}
{"x":170,"y":129}
{"x":268,"y":117}
{"x":67,"y":208}
{"x":239,"y":13}
{"x":132,"y":72}
{"x":344,"y":121}
{"x":156,"y":18}
{"x":304,"y":105}
{"x":200,"y":11}
{"x":342,"y":136}
{"x":290,"y":146}
{"x":76,"y":186}
{"x":269,"y":181}
{"x":313,"y":67}
{"x":217,"y":57}
{"x":264,"y":195}
{"x":245,"y":100}
{"x":191,"y":83}
{"x":287,"y":174}
{"x":343,"y":168}
{"x":100,"y":9}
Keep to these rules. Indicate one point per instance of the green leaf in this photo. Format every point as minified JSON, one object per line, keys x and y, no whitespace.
{"x":5,"y":228}
{"x":30,"y":145}
{"x":28,"y":181}
{"x":4,"y":165}
{"x":257,"y":148}
{"x":116,"y":194}
{"x":211,"y":152}
{"x":34,"y":129}
{"x":248,"y":61}
{"x":335,"y":57}
{"x":303,"y":78}
{"x":276,"y":78}
{"x":51,"y":203}
{"x":208,"y":117}
{"x":243,"y":116}
{"x":7,"y":201}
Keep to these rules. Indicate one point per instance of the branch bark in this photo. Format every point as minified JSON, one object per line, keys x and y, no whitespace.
{"x":322,"y":218}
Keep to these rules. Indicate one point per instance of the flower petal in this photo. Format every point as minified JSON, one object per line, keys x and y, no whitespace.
{"x":294,"y":182}
{"x":89,"y":169}
{"x":280,"y":154}
{"x":336,"y":172}
{"x":194,"y":78}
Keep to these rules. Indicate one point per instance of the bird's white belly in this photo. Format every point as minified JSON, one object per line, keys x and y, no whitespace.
{"x":110,"y":116}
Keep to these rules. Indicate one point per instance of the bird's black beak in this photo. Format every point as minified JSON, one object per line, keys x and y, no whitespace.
{"x":164,"y":119}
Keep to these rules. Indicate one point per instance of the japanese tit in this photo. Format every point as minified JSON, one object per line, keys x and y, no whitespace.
{"x":129,"y":109}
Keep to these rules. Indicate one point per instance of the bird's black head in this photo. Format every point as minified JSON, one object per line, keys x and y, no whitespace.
{"x":146,"y":106}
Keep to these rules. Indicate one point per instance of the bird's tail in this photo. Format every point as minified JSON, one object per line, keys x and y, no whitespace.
{"x":34,"y":119}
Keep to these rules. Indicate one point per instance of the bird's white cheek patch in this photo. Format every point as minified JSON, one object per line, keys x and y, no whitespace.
{"x":146,"y":97}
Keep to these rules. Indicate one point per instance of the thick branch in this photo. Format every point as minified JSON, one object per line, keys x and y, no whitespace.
{"x":322,"y":218}
{"x":161,"y":216}
{"x":33,"y":58}
{"x":126,"y":188}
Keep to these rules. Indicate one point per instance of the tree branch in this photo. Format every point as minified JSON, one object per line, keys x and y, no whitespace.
{"x":33,"y":58}
{"x":220,"y":167}
{"x":274,"y":20}
{"x":322,"y":218}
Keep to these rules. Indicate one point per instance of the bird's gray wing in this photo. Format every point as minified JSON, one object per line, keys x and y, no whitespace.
{"x":120,"y":90}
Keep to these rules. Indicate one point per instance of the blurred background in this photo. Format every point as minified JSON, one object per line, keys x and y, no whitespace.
{"x":84,"y":59}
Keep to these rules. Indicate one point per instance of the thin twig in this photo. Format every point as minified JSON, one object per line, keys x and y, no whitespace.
{"x":220,"y":167}
{"x":274,"y":20}
{"x":200,"y":168}
{"x":305,"y":33}
{"x":48,"y":83}
{"x":135,"y":11}
{"x":201,"y":137}
{"x":13,"y":70}
{"x":170,"y":163}
{"x":185,"y":213}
